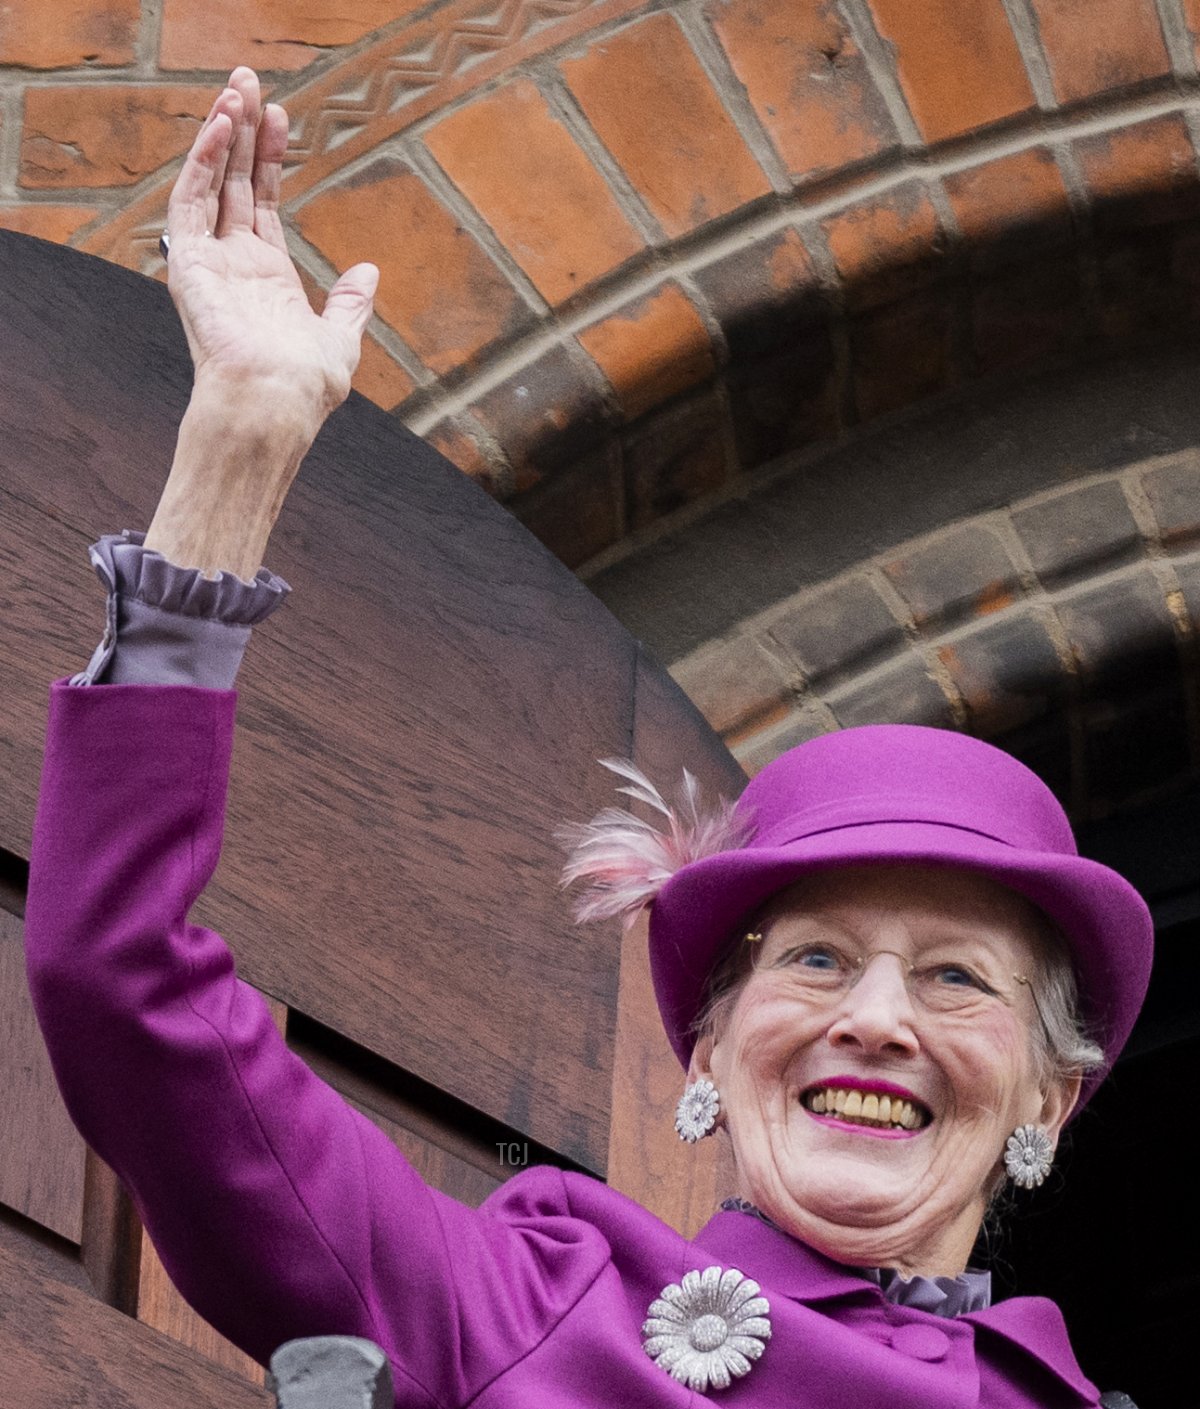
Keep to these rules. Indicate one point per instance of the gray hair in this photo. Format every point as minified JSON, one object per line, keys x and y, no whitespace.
{"x":1063,"y":1047}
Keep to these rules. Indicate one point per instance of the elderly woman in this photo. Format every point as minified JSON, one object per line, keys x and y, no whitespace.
{"x":888,"y":973}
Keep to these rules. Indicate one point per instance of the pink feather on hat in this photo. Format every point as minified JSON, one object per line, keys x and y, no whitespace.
{"x":627,"y":860}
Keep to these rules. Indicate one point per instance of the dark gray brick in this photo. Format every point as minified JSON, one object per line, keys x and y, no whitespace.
{"x":1187,"y":570}
{"x":1173,"y":490}
{"x":676,"y":456}
{"x":1045,"y":746}
{"x":733,"y":684}
{"x":1076,"y":530}
{"x":1007,"y":671}
{"x":903,"y":693}
{"x":966,"y":570}
{"x":1121,"y":632}
{"x":843,"y":629}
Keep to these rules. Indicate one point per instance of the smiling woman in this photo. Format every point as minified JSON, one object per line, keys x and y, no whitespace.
{"x":918,"y":1002}
{"x":894,"y":1030}
{"x":893,"y":979}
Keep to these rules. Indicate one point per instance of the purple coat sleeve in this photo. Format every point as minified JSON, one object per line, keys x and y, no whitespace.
{"x":278,"y":1210}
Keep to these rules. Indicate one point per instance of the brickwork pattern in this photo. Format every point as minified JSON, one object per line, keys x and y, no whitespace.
{"x":634,"y":251}
{"x":1065,"y":625}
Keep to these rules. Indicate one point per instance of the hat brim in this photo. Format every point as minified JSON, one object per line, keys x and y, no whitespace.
{"x":1106,"y":924}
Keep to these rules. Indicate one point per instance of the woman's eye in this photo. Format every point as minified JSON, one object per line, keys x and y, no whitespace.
{"x":958,"y":976}
{"x":813,"y":956}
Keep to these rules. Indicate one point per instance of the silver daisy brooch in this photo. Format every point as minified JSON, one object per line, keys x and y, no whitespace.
{"x":709,"y":1329}
{"x":1027,"y":1156}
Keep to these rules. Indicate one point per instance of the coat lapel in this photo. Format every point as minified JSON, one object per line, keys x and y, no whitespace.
{"x":1031,"y":1326}
{"x":778,"y":1261}
{"x":1035,"y":1325}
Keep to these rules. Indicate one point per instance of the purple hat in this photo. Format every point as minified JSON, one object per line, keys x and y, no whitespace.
{"x":882,"y":792}
{"x":903,"y":792}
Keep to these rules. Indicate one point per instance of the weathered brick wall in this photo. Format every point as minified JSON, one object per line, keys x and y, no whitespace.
{"x":1064,"y":624}
{"x":634,"y":252}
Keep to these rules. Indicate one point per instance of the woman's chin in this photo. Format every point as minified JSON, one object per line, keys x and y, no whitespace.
{"x":862,"y":1184}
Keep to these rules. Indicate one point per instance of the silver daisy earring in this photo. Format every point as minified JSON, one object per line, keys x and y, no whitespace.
{"x":697,"y":1111}
{"x":1028,"y":1156}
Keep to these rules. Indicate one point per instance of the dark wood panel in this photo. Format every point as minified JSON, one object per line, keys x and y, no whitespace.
{"x":59,"y":1346}
{"x":47,"y":1256}
{"x":681,"y":1183}
{"x":41,"y":1153}
{"x":443,"y":1168}
{"x":414,"y":723}
{"x":449,"y":1152}
{"x":112,"y":1237}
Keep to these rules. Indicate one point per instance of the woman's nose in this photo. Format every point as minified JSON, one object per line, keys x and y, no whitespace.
{"x":876,"y":1014}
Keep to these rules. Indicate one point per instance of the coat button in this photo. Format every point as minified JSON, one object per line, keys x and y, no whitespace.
{"x":921,"y":1342}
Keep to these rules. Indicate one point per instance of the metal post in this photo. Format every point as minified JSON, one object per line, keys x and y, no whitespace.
{"x":331,"y":1372}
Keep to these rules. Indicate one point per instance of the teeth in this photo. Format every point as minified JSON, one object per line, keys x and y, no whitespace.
{"x":868,"y":1109}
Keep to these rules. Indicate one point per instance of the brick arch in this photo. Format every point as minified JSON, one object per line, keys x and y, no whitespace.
{"x":633,"y":253}
{"x":1063,"y":626}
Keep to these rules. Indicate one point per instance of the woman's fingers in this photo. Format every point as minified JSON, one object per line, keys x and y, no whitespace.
{"x":268,"y":174}
{"x":235,"y":209}
{"x":196,"y":185}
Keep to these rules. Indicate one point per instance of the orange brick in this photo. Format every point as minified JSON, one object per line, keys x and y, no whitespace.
{"x":437,"y":288}
{"x":65,"y":33}
{"x":652,"y":349}
{"x":807,"y":80}
{"x":999,"y":198}
{"x":543,"y":197}
{"x":270,"y":34}
{"x":734,"y":683}
{"x":548,"y":414}
{"x":1141,"y":175}
{"x":380,"y":378}
{"x":1101,"y":45}
{"x":81,"y":135}
{"x":958,"y":63}
{"x":645,"y":93}
{"x":451,"y":439}
{"x":48,"y":222}
{"x":1032,"y":309}
{"x":885,"y":246}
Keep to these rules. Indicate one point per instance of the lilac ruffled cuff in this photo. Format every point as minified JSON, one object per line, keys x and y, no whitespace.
{"x":168,"y":625}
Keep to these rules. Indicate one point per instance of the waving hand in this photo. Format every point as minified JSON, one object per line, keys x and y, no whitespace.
{"x":229,"y":272}
{"x":268,"y":369}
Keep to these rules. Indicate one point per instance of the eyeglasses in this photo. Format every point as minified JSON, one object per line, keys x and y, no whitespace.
{"x":825,"y":971}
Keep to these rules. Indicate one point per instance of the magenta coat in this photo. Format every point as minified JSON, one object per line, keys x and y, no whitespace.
{"x":281,"y":1212}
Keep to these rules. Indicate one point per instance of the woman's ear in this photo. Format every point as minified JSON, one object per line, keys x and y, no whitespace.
{"x":700,"y":1067}
{"x":1057,"y":1104}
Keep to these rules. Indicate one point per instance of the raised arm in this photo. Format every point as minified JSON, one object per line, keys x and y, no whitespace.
{"x":278,"y":1210}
